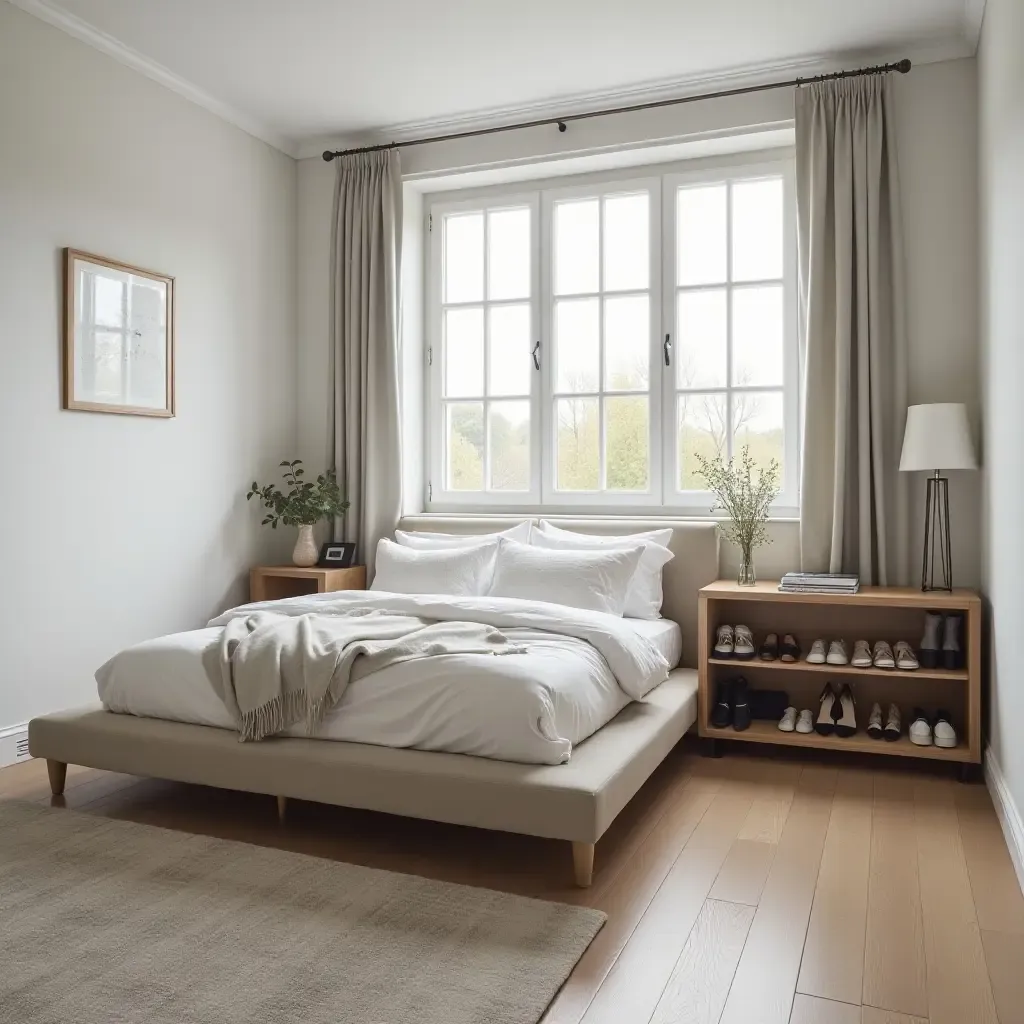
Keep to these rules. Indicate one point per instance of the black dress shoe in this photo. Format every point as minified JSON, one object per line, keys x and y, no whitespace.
{"x":769,"y":650}
{"x":844,"y":712}
{"x":721,"y":713}
{"x":740,"y":705}
{"x":825,"y":724}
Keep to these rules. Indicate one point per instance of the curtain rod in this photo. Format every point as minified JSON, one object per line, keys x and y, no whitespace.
{"x":902,"y":67}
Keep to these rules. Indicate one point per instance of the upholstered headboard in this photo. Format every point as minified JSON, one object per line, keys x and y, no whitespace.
{"x":694,"y":543}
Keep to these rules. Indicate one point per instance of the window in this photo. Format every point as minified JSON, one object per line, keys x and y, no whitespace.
{"x":587,"y":342}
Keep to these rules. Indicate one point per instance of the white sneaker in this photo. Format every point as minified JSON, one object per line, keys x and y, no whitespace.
{"x":743,"y":646}
{"x":725,"y":642}
{"x":920,"y":729}
{"x":906,"y":659}
{"x":944,"y":733}
{"x":788,"y":721}
{"x":837,"y":653}
{"x":861,"y":655}
{"x":805,"y":721}
{"x":817,"y":654}
{"x":883,"y":656}
{"x":875,"y":722}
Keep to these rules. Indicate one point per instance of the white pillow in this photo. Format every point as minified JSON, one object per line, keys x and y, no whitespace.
{"x":644,"y":598}
{"x":593,"y":580}
{"x":461,"y":572}
{"x":426,"y":539}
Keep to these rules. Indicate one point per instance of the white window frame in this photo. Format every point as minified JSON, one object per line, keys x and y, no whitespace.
{"x":661,"y":181}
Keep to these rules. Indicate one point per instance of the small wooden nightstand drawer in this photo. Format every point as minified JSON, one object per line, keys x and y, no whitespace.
{"x":273,"y":582}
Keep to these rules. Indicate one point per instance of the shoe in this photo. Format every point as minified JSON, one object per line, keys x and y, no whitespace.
{"x":893,"y":724}
{"x":875,"y":722}
{"x":931,"y":643}
{"x":952,"y":655}
{"x":743,"y":645}
{"x":805,"y":722}
{"x":825,"y":724}
{"x":837,"y":653}
{"x":721,"y":713}
{"x":817,"y":654}
{"x":920,"y":729}
{"x":725,"y":642}
{"x":906,"y":660}
{"x":943,"y":731}
{"x":740,"y":705}
{"x":787,"y":723}
{"x":861,"y":655}
{"x":790,"y":650}
{"x":844,"y":712}
{"x":882,"y":656}
{"x":769,"y":650}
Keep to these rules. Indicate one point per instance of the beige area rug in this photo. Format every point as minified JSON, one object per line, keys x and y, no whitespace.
{"x":106,"y":921}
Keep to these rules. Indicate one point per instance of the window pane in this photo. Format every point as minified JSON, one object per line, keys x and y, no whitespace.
{"x":508,"y":254}
{"x":577,"y":346}
{"x":758,"y":423}
{"x":463,"y":352}
{"x":701,"y":347}
{"x":464,"y":257}
{"x":757,"y":331}
{"x":627,"y":343}
{"x":464,"y":430}
{"x":757,"y":230}
{"x":576,"y":247}
{"x":577,"y":467}
{"x":626,"y":441}
{"x":510,"y":446}
{"x":700,"y":235}
{"x":510,"y":364}
{"x":626,"y":242}
{"x":701,"y":430}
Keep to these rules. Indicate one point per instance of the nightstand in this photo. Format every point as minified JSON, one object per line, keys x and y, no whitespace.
{"x":273,"y":582}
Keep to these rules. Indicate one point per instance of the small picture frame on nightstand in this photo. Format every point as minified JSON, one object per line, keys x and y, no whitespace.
{"x":336,"y":555}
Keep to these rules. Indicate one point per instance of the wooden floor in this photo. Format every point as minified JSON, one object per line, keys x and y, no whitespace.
{"x":746,"y":890}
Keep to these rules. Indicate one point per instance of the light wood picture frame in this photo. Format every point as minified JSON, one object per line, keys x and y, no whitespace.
{"x":118,"y":337}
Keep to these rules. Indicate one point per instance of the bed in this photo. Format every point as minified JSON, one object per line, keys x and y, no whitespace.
{"x":574,"y":801}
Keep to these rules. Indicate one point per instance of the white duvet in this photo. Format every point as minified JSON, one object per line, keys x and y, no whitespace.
{"x":580,"y":669}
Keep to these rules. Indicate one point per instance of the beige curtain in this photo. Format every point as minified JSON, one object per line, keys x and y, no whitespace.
{"x":365,"y":431}
{"x":853,"y":505}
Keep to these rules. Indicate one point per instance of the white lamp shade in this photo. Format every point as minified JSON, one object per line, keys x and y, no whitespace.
{"x":938,"y":437}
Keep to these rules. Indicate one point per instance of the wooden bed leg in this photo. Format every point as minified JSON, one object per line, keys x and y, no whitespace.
{"x":583,"y":863}
{"x":282,"y":808}
{"x":58,"y":772}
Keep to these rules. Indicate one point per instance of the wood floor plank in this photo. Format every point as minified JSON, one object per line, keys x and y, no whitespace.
{"x":894,"y":958}
{"x":833,"y":960}
{"x":771,"y":805}
{"x":744,"y":872}
{"x":813,"y":1010}
{"x":1004,"y":954}
{"x":872,"y":1015}
{"x":635,"y":982}
{"x":765,"y":983}
{"x":958,"y":985}
{"x":699,"y":983}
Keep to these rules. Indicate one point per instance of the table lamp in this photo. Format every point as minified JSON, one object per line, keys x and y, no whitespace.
{"x":937,"y":437}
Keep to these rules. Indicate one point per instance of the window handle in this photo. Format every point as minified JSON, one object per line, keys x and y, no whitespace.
{"x":667,"y":349}
{"x":536,"y":356}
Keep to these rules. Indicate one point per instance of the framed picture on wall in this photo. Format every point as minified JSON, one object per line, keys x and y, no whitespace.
{"x":118,"y":337}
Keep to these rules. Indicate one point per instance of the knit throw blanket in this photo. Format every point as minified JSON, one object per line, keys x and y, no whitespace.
{"x":275,"y":671}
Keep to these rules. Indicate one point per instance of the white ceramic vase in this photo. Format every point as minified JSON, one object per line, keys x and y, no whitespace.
{"x":304,"y":554}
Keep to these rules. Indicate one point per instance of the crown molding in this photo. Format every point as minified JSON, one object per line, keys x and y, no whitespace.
{"x":49,"y":12}
{"x":930,"y":52}
{"x":974,"y":17}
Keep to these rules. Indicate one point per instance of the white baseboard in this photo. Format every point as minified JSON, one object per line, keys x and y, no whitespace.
{"x":14,"y":744}
{"x":1007,"y":812}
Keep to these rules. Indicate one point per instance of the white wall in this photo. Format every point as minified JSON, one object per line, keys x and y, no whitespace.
{"x":1001,"y":59}
{"x":936,"y":111}
{"x":117,"y":528}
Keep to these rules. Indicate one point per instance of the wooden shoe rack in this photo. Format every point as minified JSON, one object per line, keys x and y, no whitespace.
{"x":876,"y":613}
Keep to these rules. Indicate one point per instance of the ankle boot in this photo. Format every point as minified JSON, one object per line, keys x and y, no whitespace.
{"x":952,"y":652}
{"x":931,"y":642}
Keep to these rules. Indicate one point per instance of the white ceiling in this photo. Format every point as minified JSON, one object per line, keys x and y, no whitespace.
{"x":295,"y":71}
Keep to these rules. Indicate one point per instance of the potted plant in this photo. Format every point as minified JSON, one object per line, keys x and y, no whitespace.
{"x":304,"y":505}
{"x":745,"y":494}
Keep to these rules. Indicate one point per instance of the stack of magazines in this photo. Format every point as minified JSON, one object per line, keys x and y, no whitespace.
{"x":820,"y":583}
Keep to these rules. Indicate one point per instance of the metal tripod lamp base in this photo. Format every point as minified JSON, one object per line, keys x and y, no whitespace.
{"x":936,"y":535}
